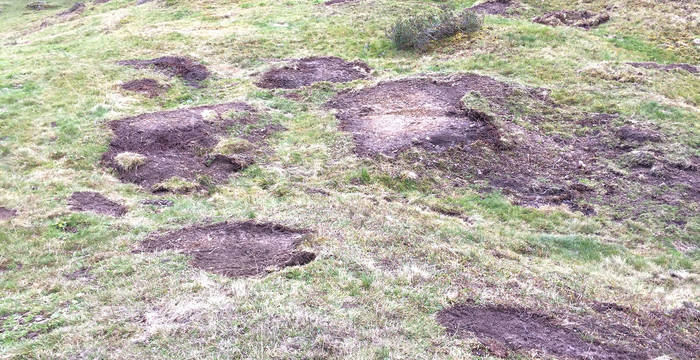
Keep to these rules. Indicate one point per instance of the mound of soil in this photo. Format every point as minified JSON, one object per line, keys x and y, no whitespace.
{"x":304,"y":72}
{"x":584,"y":19}
{"x":75,"y":9}
{"x":192,"y":72}
{"x":666,"y":67}
{"x":466,"y":125}
{"x":503,"y":329}
{"x":235,"y":249}
{"x":492,"y":7}
{"x":149,"y":87}
{"x":96,"y":203}
{"x":6,"y":213}
{"x":178,"y":144}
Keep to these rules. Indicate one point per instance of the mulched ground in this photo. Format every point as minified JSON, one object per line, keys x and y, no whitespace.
{"x":192,"y":72}
{"x":493,"y":7}
{"x":96,"y":203}
{"x":583,"y":19}
{"x":178,"y":143}
{"x":235,"y":249}
{"x":504,"y":330}
{"x":666,"y":67}
{"x":483,"y":145}
{"x":149,"y":87}
{"x":304,"y":72}
{"x":6,"y":213}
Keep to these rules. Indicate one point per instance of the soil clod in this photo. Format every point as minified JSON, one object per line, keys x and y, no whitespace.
{"x":583,"y":19}
{"x":666,"y":67}
{"x":6,"y":213}
{"x":149,"y":87}
{"x":235,"y":249}
{"x":630,"y":133}
{"x":304,"y":72}
{"x":175,"y":150}
{"x":96,"y":203}
{"x":192,"y":72}
{"x":493,"y":7}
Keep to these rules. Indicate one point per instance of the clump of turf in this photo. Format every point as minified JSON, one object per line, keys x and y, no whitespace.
{"x":129,"y":160}
{"x":417,"y":32}
{"x":233,"y":146}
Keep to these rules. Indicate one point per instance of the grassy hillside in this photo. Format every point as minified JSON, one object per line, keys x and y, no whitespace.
{"x":397,"y":239}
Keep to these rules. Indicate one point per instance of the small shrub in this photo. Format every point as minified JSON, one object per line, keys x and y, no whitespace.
{"x":129,"y":160}
{"x":418,"y":31}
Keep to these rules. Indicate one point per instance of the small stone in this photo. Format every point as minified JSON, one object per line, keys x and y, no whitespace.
{"x":409,"y":175}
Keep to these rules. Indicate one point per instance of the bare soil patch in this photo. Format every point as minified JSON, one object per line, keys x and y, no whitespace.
{"x":304,"y":72}
{"x":96,"y":203}
{"x":666,"y":67}
{"x":614,"y":333}
{"x":583,"y":19}
{"x":77,"y":8}
{"x":333,"y":2}
{"x":149,"y":87}
{"x":179,"y":144}
{"x":479,"y":130}
{"x":235,"y":249}
{"x":6,"y":213}
{"x":493,"y":7}
{"x":192,"y":72}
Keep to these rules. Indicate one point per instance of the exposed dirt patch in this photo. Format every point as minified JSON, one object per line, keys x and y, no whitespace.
{"x":96,"y":203}
{"x":149,"y":87}
{"x":503,"y":330}
{"x":77,"y":8}
{"x":333,"y":2}
{"x":479,"y":130}
{"x":584,"y":19}
{"x":235,"y":249}
{"x":303,"y":72}
{"x":666,"y":67}
{"x":39,"y":5}
{"x":192,"y":72}
{"x":493,"y":7}
{"x":179,"y":144}
{"x":82,"y":273}
{"x":6,"y":213}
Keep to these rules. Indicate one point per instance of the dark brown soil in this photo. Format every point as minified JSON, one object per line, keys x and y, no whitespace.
{"x":178,"y":144}
{"x":612,"y":335}
{"x":6,"y":213}
{"x":77,"y":8}
{"x":483,"y":145}
{"x":493,"y":7}
{"x":192,"y":72}
{"x":149,"y":87}
{"x":303,"y":72}
{"x":96,"y":203}
{"x":584,"y":19}
{"x":235,"y":249}
{"x":666,"y":67}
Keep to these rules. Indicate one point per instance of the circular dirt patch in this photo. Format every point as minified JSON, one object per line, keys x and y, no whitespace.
{"x":179,"y":145}
{"x":192,"y":72}
{"x":666,"y":67}
{"x":493,"y":7}
{"x":584,"y":19}
{"x":6,"y":213}
{"x":96,"y":203}
{"x":303,"y":72}
{"x":149,"y":87}
{"x":235,"y":249}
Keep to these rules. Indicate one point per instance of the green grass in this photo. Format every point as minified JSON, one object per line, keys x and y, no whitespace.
{"x":395,"y":242}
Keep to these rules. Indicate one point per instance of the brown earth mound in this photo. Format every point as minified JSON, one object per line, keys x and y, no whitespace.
{"x":613,"y":335}
{"x":75,"y":9}
{"x":149,"y":87}
{"x":192,"y":72}
{"x":95,"y":202}
{"x":493,"y":7}
{"x":666,"y":67}
{"x":467,"y":123}
{"x":179,"y":144}
{"x":303,"y":72}
{"x":584,"y":19}
{"x":6,"y":213}
{"x":235,"y":249}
